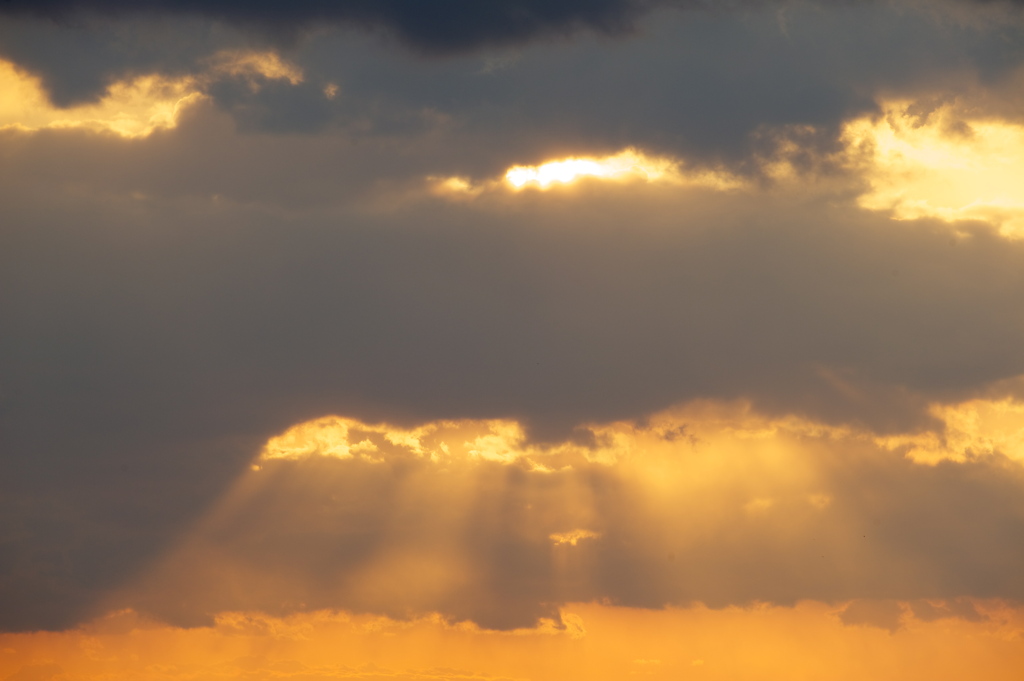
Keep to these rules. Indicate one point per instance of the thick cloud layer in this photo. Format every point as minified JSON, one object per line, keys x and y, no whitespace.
{"x":710,"y":85}
{"x":439,"y":26}
{"x":168,"y":309}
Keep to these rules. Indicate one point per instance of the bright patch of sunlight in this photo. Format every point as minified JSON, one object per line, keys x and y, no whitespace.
{"x":974,"y":428}
{"x":629,"y":164}
{"x":941,"y":164}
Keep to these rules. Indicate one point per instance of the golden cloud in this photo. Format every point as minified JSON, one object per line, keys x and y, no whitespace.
{"x":973,"y":428}
{"x":135,"y":107}
{"x":941,"y":164}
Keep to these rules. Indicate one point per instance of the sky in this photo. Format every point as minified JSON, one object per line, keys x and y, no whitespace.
{"x":527,"y":340}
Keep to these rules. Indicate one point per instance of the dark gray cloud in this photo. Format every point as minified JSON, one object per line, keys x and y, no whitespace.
{"x":93,"y":43}
{"x":441,"y":26}
{"x":710,"y":85}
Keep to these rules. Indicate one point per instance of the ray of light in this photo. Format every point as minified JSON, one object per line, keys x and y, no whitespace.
{"x":342,"y":514}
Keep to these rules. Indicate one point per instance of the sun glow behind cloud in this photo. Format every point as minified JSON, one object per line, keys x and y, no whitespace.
{"x":345,"y":438}
{"x":978,"y":427}
{"x":135,"y":107}
{"x":941,"y":164}
{"x":628,"y":166}
{"x":975,"y":428}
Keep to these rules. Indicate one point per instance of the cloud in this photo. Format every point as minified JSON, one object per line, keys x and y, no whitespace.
{"x":712,"y":84}
{"x":962,"y":608}
{"x":142,"y":105}
{"x":284,"y":247}
{"x":942,"y":164}
{"x":883,"y":614}
{"x":446,"y":26}
{"x":171,"y":302}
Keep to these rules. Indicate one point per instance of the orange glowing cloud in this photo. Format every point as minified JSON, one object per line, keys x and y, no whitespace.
{"x":975,"y":428}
